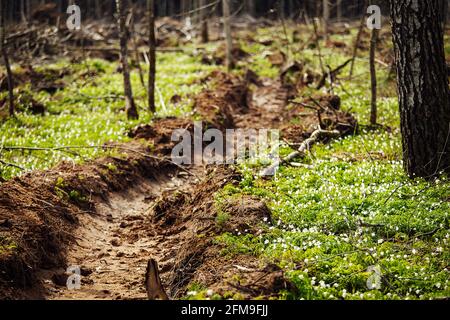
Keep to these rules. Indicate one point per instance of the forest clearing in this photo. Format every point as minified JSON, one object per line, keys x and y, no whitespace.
{"x":354,"y":206}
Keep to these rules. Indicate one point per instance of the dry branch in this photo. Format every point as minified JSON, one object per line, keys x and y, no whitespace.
{"x":306,"y":145}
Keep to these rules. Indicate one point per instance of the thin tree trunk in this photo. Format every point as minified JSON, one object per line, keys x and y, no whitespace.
{"x":204,"y":21}
{"x":373,"y":77}
{"x":357,"y":41}
{"x":326,"y":17}
{"x":281,"y":9}
{"x":251,"y":9}
{"x":136,"y":50}
{"x":424,"y":95}
{"x":319,"y":51}
{"x":22,"y":11}
{"x":98,"y":9}
{"x":6,"y":60}
{"x":152,"y":55}
{"x":229,"y":40}
{"x":339,"y":11}
{"x":130,"y":106}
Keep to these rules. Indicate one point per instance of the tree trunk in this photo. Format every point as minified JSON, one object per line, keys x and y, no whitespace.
{"x":373,"y":77}
{"x":358,"y":40}
{"x":98,"y":9}
{"x":229,"y":40}
{"x":339,"y":11}
{"x":204,"y":21}
{"x":130,"y":106}
{"x":280,"y":9}
{"x":326,"y":17}
{"x":251,"y":9}
{"x":422,"y":86}
{"x":6,"y":60}
{"x":152,"y":56}
{"x":444,"y":11}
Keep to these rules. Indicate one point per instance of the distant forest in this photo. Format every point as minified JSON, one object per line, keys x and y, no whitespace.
{"x":27,"y":10}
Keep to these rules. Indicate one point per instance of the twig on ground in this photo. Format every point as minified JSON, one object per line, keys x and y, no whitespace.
{"x":9,"y":164}
{"x":306,"y":145}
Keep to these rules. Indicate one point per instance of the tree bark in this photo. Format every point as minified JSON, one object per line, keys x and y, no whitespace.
{"x":251,"y":9}
{"x":326,"y":17}
{"x":422,"y":86}
{"x":152,"y":56}
{"x":204,"y":21}
{"x":130,"y":106}
{"x":6,"y":60}
{"x":339,"y":11}
{"x":229,"y":40}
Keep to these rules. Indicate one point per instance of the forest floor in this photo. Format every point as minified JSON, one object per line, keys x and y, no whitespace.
{"x":319,"y":229}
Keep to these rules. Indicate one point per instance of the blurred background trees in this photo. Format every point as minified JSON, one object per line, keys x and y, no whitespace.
{"x":334,"y":10}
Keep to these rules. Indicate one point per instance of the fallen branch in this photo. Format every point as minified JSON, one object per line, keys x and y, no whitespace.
{"x":332,"y":74}
{"x":106,"y":97}
{"x":306,"y":145}
{"x":9,"y":164}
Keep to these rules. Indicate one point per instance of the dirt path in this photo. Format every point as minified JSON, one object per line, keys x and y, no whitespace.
{"x":110,"y":248}
{"x":267,"y":107}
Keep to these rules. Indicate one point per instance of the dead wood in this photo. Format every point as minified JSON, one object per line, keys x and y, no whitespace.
{"x":306,"y":145}
{"x":155,"y":289}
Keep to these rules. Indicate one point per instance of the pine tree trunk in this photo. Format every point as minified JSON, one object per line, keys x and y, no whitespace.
{"x":6,"y":60}
{"x":422,"y":86}
{"x":130,"y":106}
{"x":152,"y":55}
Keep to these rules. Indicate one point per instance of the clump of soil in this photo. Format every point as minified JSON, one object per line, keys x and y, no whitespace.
{"x":245,"y":214}
{"x":243,"y":277}
{"x":193,"y":218}
{"x":166,"y":207}
{"x":159,"y":134}
{"x":215,"y":107}
{"x":48,"y":80}
{"x":277,"y":58}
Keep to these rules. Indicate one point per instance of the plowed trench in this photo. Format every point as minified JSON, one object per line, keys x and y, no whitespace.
{"x":114,"y":245}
